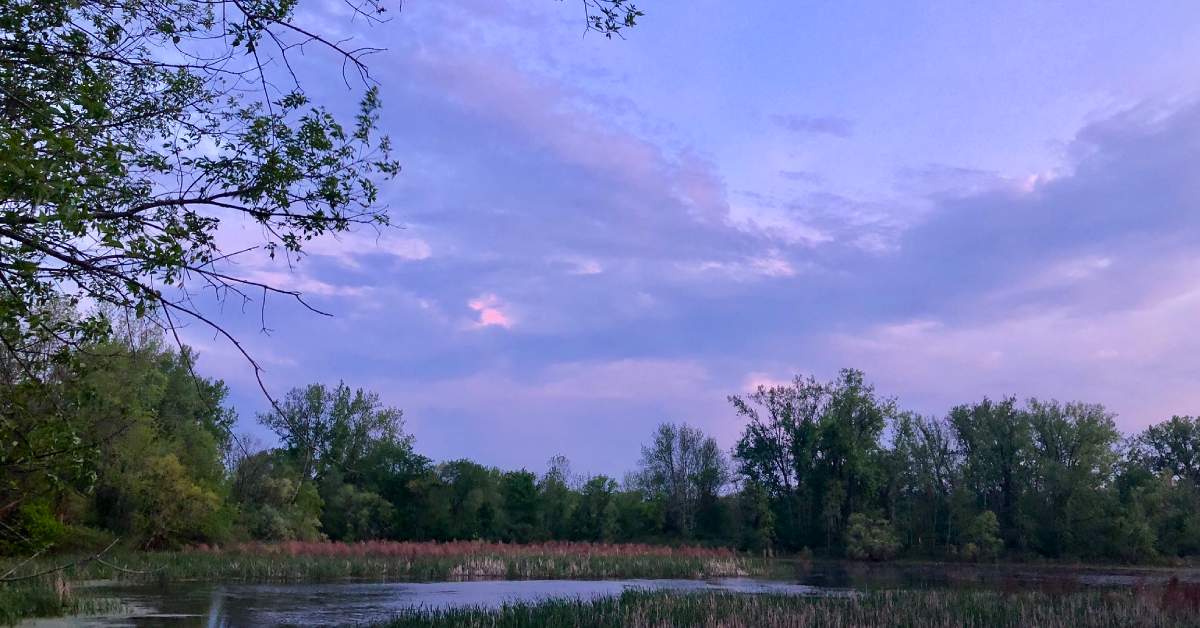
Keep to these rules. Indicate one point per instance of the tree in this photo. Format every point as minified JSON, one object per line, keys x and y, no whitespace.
{"x":925,"y":478}
{"x":334,"y":429}
{"x":995,"y":441}
{"x":558,"y":501}
{"x":521,"y":505}
{"x":757,"y":522}
{"x":121,"y":435}
{"x":1172,"y":447}
{"x":595,"y":516}
{"x":1073,"y":466}
{"x":132,"y":129}
{"x":273,"y":503}
{"x":848,"y":448}
{"x":685,"y":470}
{"x":777,"y":449}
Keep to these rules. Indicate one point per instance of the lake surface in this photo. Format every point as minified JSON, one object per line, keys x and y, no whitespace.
{"x":325,"y":604}
{"x":342,"y":603}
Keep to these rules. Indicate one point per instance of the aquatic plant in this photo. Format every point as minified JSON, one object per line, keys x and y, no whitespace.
{"x":642,"y":609}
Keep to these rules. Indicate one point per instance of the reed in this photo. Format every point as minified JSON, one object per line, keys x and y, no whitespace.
{"x":46,"y":597}
{"x":378,"y":560}
{"x":1175,"y":605}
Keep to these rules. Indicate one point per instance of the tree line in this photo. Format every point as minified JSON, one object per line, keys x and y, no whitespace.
{"x":123,"y":439}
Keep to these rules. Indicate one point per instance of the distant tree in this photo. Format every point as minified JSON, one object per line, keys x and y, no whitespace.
{"x":333,"y":429}
{"x":778,"y":450}
{"x":475,"y":496}
{"x":595,"y":515}
{"x":1172,"y":447}
{"x":685,"y":470}
{"x":558,"y":501}
{"x":756,"y":520}
{"x":850,"y":456}
{"x":995,"y":441}
{"x":1073,"y":466}
{"x":521,"y":505}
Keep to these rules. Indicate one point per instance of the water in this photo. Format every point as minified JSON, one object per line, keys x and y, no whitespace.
{"x":218,"y":605}
{"x":193,"y":604}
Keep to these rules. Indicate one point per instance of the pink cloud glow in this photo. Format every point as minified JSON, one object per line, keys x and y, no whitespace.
{"x":491,"y":312}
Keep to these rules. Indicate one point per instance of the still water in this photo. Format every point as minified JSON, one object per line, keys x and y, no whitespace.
{"x":348,"y":603}
{"x":179,"y":605}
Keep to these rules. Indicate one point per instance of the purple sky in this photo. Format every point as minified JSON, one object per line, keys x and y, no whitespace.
{"x":601,"y":235}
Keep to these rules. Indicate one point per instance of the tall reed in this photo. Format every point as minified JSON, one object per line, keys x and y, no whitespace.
{"x":1167,"y":608}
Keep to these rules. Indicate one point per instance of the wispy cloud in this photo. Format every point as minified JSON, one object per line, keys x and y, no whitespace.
{"x":834,"y":126}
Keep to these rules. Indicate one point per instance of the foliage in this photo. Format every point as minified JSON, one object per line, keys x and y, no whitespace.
{"x":274,"y":505}
{"x":144,"y":457}
{"x":132,"y":129}
{"x":685,"y":471}
{"x":981,"y":538}
{"x":757,"y":520}
{"x":1173,"y":448}
{"x":870,"y":538}
{"x":160,"y":469}
{"x":32,"y":528}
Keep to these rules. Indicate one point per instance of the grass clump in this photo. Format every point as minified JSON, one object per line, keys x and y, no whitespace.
{"x":640,"y":609}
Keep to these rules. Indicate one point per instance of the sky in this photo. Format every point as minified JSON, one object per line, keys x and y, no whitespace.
{"x":594,"y":236}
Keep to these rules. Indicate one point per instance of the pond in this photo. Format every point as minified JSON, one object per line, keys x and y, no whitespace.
{"x":241,"y":604}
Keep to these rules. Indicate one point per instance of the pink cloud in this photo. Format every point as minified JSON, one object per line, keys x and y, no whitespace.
{"x":491,"y":312}
{"x":563,"y":120}
{"x":1139,"y":360}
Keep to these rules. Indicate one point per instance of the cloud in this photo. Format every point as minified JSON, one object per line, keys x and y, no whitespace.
{"x":772,"y":265}
{"x":491,"y":312}
{"x":349,"y":249}
{"x":802,"y":176}
{"x":658,"y":291}
{"x":299,"y":281}
{"x":577,"y":265}
{"x":1138,"y":362}
{"x":814,"y":125}
{"x":1081,"y":285}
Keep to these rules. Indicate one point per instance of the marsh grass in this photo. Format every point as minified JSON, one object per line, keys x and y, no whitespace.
{"x":1176,"y":605}
{"x":312,"y":562}
{"x":48,"y":597}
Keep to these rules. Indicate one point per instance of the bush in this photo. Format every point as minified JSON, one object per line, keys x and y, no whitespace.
{"x":870,"y":538}
{"x":33,"y":528}
{"x":981,"y":538}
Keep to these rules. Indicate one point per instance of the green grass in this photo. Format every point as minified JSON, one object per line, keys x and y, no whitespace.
{"x":49,"y":597}
{"x":894,"y":608}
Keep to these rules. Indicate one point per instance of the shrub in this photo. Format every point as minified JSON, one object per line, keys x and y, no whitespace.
{"x":32,"y":529}
{"x":981,"y":538}
{"x":870,"y":538}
